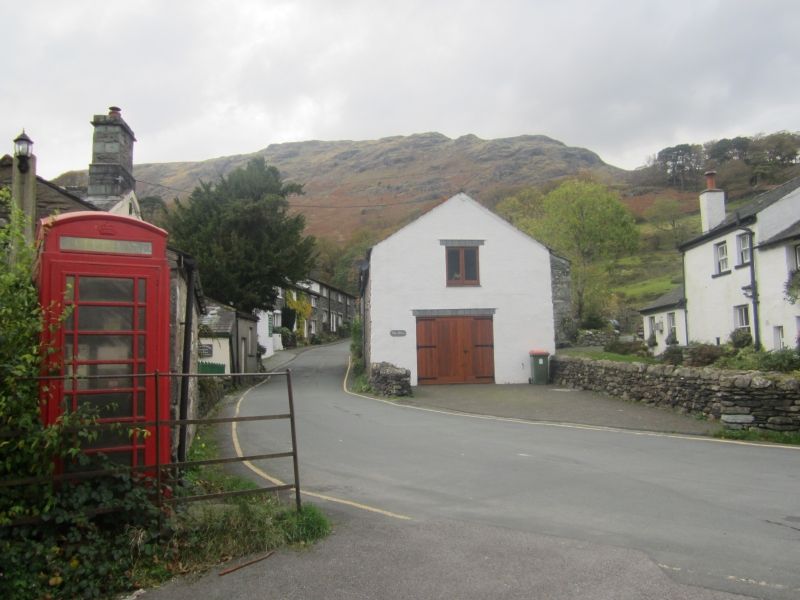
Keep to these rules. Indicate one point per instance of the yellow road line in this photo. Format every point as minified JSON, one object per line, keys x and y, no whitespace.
{"x":275,"y":481}
{"x":677,"y":436}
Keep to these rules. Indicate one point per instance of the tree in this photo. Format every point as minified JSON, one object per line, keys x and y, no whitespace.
{"x":153,"y":209}
{"x":682,"y":164}
{"x":587,"y":223}
{"x":665,"y":215}
{"x":241,"y":233}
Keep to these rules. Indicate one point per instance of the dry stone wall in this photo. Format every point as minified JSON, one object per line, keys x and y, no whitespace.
{"x":389,"y":380}
{"x":740,"y":399}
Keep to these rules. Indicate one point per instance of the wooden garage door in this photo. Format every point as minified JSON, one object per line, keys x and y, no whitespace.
{"x":455,"y":350}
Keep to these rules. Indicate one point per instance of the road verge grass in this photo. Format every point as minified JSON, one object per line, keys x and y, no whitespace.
{"x":204,"y":534}
{"x":760,"y":435}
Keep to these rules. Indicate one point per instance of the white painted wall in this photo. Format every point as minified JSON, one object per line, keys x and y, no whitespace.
{"x":662,"y":329}
{"x":264,"y":338}
{"x":778,"y":216}
{"x":407,"y":272}
{"x":711,"y":300}
{"x":221,"y":351}
{"x":773,"y":265}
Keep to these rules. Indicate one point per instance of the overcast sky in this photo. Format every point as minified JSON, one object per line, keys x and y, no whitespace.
{"x":200,"y":79}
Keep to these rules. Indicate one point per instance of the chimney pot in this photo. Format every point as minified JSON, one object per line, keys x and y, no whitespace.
{"x":115,"y":111}
{"x":711,"y":180}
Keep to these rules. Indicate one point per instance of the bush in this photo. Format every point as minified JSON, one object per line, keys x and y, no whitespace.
{"x":741,"y":338}
{"x":652,"y":342}
{"x":780,"y":360}
{"x":594,"y":322}
{"x":618,"y":347}
{"x":288,"y":338}
{"x":750,"y":359}
{"x":344,"y":330}
{"x":703,"y":355}
{"x":673,"y":355}
{"x":357,"y":347}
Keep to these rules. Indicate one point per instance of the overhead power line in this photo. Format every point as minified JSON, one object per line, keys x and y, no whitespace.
{"x":293,"y":205}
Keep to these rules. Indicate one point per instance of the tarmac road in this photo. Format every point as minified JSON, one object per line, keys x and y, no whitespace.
{"x":430,"y":504}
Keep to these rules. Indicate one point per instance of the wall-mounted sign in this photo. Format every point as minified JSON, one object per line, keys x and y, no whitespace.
{"x":397,"y":332}
{"x":205,"y":350}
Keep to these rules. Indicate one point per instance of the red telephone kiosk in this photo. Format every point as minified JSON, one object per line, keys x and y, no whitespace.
{"x":110,"y":274}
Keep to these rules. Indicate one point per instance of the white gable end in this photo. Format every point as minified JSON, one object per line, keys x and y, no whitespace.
{"x":408,"y":278}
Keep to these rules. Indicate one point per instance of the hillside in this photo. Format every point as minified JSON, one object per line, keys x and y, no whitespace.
{"x":383,"y":183}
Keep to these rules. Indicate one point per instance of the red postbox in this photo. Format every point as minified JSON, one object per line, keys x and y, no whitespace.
{"x":104,"y":284}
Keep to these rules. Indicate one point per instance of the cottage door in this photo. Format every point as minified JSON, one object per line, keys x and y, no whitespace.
{"x":455,"y":350}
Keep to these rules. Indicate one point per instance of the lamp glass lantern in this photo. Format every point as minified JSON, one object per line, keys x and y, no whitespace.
{"x":23,"y":145}
{"x":23,"y":150}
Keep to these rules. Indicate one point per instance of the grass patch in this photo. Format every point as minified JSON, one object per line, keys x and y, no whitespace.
{"x":760,"y":435}
{"x":603,"y":355}
{"x":648,"y":289}
{"x":360,"y":384}
{"x":208,"y":533}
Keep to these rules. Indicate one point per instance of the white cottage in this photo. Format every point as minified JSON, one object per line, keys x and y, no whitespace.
{"x":461,"y":296}
{"x":665,"y":320}
{"x":736,"y":270}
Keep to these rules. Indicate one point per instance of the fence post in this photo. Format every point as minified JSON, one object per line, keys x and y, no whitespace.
{"x":159,"y":500}
{"x":294,"y":441}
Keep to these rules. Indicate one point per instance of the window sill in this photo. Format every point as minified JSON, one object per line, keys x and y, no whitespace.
{"x":451,"y":284}
{"x":721,"y":274}
{"x":742,"y":266}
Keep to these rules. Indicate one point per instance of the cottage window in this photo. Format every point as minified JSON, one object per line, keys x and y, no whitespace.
{"x":314,"y":301}
{"x":721,"y":257}
{"x":462,"y":265}
{"x":651,"y":322}
{"x":743,"y":248}
{"x":673,"y":330}
{"x":741,"y":317}
{"x":797,"y":257}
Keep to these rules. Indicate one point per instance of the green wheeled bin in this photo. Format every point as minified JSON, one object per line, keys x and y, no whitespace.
{"x":540,"y":367}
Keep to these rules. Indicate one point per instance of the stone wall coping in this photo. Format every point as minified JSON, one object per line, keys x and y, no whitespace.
{"x":758,"y":379}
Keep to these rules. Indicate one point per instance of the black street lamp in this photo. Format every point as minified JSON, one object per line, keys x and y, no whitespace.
{"x":23,"y":150}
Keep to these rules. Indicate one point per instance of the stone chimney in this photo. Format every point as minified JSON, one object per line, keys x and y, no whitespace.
{"x":712,"y":203}
{"x":111,"y":171}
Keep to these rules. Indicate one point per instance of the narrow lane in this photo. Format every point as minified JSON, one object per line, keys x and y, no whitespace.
{"x":710,"y":514}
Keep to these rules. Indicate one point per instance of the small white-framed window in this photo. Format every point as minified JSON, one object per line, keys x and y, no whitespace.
{"x":651,"y":324}
{"x":797,"y":257}
{"x":777,"y":338}
{"x":743,"y":248}
{"x":672,"y":329}
{"x":741,"y":317}
{"x":314,"y":301}
{"x":721,"y":257}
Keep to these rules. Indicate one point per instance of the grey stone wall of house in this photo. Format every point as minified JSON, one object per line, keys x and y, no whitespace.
{"x":178,"y":296}
{"x":331,"y":301}
{"x":111,"y":169}
{"x":389,"y":380}
{"x":740,"y":399}
{"x":562,"y":299}
{"x":595,"y":337}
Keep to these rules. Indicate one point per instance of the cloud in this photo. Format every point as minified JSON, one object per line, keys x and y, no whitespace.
{"x":209,"y":78}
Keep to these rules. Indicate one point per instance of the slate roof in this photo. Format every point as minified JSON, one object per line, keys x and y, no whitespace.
{"x":674,"y":298}
{"x":746,"y":214}
{"x":220,"y":319}
{"x":790,"y":233}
